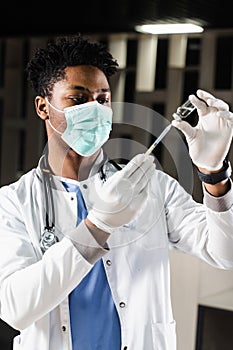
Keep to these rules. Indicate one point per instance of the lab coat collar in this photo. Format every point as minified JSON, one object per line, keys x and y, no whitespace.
{"x":101,"y":159}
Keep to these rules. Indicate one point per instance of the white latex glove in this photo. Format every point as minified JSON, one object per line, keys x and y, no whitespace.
{"x":119,"y":199}
{"x":209,"y":141}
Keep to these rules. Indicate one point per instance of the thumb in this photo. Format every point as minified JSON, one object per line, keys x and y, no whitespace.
{"x":185,"y":127}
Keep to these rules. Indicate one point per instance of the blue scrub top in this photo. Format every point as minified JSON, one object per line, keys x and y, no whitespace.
{"x":94,"y":319}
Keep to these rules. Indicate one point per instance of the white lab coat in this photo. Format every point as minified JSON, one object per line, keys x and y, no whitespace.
{"x":34,"y":287}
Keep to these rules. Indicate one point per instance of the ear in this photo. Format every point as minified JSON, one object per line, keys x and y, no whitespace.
{"x":41,"y":107}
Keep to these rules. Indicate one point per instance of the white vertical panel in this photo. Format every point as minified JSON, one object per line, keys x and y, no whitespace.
{"x":118,"y":87}
{"x":208,"y":60}
{"x":177,"y":51}
{"x":118,"y":47}
{"x":146,"y":62}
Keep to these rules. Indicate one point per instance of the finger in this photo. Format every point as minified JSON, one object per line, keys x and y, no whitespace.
{"x":141,"y":176}
{"x":225,"y":115}
{"x":141,"y":186}
{"x":199,"y":104}
{"x":131,"y":165}
{"x":219,"y":104}
{"x":135,"y":163}
{"x":212,"y":101}
{"x":188,"y":131}
{"x":143,"y":183}
{"x":204,"y":95}
{"x":131,"y":187}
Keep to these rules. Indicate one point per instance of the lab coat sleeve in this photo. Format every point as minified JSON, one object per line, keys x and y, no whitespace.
{"x":86,"y":244}
{"x":218,"y":204}
{"x":31,"y":286}
{"x":219,"y":218}
{"x":197,"y":228}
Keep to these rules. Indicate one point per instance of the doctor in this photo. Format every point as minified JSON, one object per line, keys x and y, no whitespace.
{"x":84,"y":252}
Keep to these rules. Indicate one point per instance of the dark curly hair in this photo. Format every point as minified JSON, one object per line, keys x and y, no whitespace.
{"x":47,"y":66}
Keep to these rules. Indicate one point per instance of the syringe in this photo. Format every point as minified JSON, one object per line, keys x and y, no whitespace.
{"x":161,"y":136}
{"x":182,"y":112}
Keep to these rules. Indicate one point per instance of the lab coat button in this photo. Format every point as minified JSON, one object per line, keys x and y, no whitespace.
{"x":125,"y":347}
{"x":122,"y":304}
{"x":63,"y":328}
{"x":108,"y":262}
{"x":85,"y":186}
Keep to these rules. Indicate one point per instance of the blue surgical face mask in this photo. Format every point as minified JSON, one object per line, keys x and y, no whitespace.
{"x":88,"y":126}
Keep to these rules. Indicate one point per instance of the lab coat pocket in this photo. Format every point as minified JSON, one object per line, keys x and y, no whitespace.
{"x":164,"y":336}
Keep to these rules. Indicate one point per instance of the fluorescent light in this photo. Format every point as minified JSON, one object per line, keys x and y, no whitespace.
{"x":175,"y":28}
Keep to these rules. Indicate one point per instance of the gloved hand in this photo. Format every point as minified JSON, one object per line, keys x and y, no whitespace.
{"x":209,"y":141}
{"x":119,"y":199}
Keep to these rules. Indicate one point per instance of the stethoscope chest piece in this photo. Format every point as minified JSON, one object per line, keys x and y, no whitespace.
{"x":48,"y":238}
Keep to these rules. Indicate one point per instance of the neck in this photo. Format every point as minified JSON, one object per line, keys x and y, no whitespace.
{"x":65,"y":162}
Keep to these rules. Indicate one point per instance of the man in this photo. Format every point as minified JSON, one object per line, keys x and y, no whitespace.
{"x":84,"y":250}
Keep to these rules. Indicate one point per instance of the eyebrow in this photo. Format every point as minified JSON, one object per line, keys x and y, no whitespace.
{"x":83,"y":88}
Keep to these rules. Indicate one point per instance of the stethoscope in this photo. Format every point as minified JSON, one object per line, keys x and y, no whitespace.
{"x":49,"y":236}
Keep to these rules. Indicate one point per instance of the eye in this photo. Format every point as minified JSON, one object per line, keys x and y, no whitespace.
{"x":80,"y":99}
{"x":103,"y":100}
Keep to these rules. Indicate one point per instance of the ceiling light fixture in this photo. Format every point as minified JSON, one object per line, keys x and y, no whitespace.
{"x":171,"y":28}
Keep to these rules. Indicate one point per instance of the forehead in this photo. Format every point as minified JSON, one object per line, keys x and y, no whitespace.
{"x":88,"y":76}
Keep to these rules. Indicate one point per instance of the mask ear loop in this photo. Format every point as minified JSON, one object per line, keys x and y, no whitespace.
{"x":57,"y":131}
{"x":56,"y":109}
{"x":50,"y":104}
